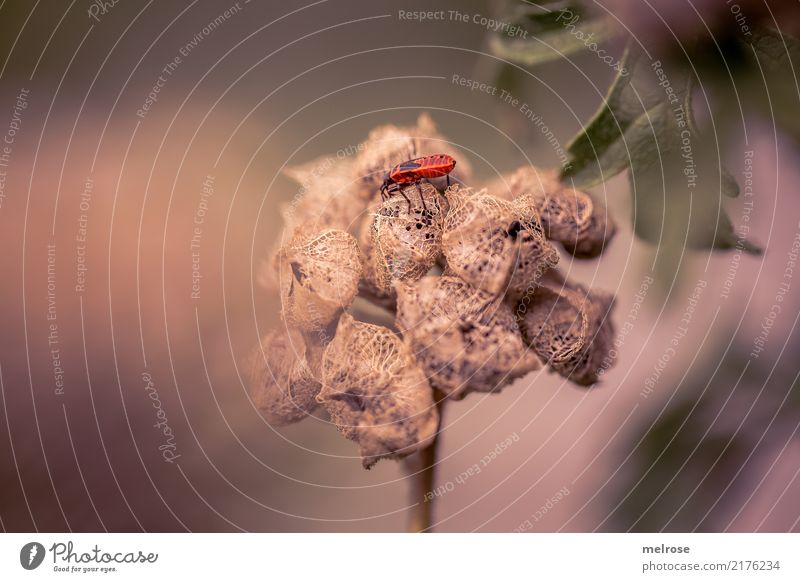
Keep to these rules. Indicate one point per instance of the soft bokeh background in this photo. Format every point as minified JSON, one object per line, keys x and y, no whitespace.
{"x":713,"y":447}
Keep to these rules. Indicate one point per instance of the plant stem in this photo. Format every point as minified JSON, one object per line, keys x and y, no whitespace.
{"x":421,"y":469}
{"x":421,"y":474}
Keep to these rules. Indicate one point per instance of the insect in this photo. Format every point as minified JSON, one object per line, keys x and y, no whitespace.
{"x":413,"y":172}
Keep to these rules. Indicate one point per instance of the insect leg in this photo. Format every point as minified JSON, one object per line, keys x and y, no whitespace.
{"x":421,"y":197}
{"x":407,"y":200}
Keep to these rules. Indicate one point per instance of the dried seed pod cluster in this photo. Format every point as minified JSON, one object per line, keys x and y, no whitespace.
{"x":339,"y":191}
{"x":469,"y":278}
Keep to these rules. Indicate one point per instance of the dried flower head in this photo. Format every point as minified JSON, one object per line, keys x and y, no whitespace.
{"x":281,"y":383}
{"x":570,"y":328}
{"x":319,"y":276}
{"x":569,"y":216}
{"x":465,"y":339}
{"x":495,"y":245}
{"x":459,"y":331}
{"x":375,"y":393}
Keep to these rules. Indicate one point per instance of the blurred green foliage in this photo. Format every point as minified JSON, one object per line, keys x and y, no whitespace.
{"x":647,"y":122}
{"x":701,"y":457}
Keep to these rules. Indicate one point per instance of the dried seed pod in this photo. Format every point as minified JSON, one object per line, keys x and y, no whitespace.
{"x":526,"y":179}
{"x":329,"y":196}
{"x":569,"y":216}
{"x":594,"y":236}
{"x":570,"y":328}
{"x":557,"y":326}
{"x":389,"y":145}
{"x":495,"y":245}
{"x":368,"y":287}
{"x":281,"y":383}
{"x":465,"y":339}
{"x":406,"y":236}
{"x":375,"y":393}
{"x":319,"y":276}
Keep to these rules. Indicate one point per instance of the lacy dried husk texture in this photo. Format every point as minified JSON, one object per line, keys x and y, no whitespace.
{"x":469,"y":276}
{"x":570,"y":328}
{"x":376,"y":393}
{"x":282,"y":385}
{"x":319,"y":276}
{"x":569,"y":216}
{"x":495,"y":245}
{"x":406,"y":237}
{"x":465,"y":339}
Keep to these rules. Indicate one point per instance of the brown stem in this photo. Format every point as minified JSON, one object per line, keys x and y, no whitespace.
{"x":421,"y":475}
{"x":421,"y":469}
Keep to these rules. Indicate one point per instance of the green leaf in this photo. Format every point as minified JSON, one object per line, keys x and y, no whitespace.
{"x":602,"y":148}
{"x":678,"y":185}
{"x":613,"y":117}
{"x":646,"y":126}
{"x":550,"y":35}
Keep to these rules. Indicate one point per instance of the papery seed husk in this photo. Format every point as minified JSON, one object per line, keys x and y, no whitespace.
{"x":495,"y":245}
{"x":465,"y":339}
{"x":570,"y":216}
{"x":406,"y":236}
{"x":330,"y":195}
{"x":595,"y":236}
{"x":375,"y":392}
{"x":281,"y":384}
{"x":319,"y":277}
{"x":368,"y":287}
{"x":525,"y":180}
{"x":570,"y":327}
